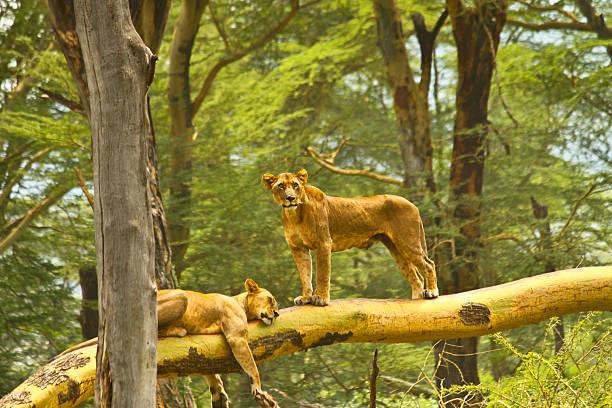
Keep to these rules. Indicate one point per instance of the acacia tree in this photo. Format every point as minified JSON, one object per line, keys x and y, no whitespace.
{"x":149,"y":19}
{"x":124,"y":227}
{"x":476,"y":31}
{"x":183,"y":107}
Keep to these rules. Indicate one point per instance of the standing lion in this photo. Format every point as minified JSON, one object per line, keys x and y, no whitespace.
{"x":314,"y":221}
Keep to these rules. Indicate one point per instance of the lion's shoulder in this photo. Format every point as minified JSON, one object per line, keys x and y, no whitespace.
{"x":314,"y":193}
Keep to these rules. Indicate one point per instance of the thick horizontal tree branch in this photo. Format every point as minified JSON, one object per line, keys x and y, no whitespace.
{"x":69,"y":379}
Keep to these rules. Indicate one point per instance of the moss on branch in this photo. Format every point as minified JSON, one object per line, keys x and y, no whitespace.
{"x":69,"y":380}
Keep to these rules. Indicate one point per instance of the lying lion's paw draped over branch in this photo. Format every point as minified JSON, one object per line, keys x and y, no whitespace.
{"x":183,"y":312}
{"x":314,"y":221}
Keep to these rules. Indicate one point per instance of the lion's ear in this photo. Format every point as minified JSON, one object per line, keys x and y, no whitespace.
{"x":302,"y":175}
{"x":251,"y":286}
{"x":268,"y":180}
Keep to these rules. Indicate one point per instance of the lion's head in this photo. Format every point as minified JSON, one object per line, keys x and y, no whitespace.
{"x":259,"y":303}
{"x":287,"y":188}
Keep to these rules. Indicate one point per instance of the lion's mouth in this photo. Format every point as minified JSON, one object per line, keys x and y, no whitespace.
{"x":290,"y":205}
{"x":267,"y":320}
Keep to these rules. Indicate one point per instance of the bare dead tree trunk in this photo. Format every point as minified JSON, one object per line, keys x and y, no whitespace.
{"x":149,"y":18}
{"x":124,"y":226}
{"x":476,"y":31}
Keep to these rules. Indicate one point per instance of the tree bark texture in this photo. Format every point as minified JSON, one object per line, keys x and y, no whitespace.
{"x":409,"y":98}
{"x":476,"y":31}
{"x":149,"y":18}
{"x":119,"y":67}
{"x":68,"y":380}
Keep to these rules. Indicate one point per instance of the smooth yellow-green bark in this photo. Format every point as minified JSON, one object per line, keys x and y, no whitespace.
{"x":69,"y":380}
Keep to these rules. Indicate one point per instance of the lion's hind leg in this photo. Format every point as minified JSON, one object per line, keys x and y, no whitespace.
{"x":218,"y":396}
{"x":409,"y":270}
{"x":171,"y":307}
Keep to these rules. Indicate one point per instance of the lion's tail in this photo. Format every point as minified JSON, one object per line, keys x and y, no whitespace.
{"x":77,"y":347}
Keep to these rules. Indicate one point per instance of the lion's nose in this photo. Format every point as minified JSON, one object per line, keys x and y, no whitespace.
{"x":276,"y":314}
{"x":290,"y":198}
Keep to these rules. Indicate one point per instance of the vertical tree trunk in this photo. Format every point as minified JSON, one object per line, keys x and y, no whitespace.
{"x":119,"y":68}
{"x":149,"y":18}
{"x":476,"y":31}
{"x":540,"y":212}
{"x":182,"y":131}
{"x":410,"y":101}
{"x":89,"y":303}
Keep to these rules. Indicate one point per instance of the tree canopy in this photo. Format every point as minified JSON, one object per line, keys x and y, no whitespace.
{"x":271,"y":86}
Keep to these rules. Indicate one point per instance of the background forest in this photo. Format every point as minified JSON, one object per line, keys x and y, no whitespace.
{"x":244,"y":87}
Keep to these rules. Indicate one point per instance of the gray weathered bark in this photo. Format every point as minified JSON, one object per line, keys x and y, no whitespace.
{"x":119,"y":68}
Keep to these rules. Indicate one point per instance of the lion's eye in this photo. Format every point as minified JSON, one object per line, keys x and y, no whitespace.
{"x":295,"y":185}
{"x":281,"y":186}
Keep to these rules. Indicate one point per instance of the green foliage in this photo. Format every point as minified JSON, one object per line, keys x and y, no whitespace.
{"x":319,"y":82}
{"x":577,"y":376}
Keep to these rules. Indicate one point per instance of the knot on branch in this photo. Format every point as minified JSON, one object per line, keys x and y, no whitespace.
{"x":474,"y":314}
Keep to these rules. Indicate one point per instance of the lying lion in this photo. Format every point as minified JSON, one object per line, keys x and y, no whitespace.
{"x":314,"y":221}
{"x":182,"y":312}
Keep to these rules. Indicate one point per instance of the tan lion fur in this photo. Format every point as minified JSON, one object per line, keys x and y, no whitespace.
{"x":314,"y":221}
{"x":183,"y":312}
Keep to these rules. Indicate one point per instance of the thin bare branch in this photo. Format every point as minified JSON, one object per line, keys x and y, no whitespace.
{"x":20,"y":227}
{"x":373,"y":377}
{"x":62,"y":100}
{"x":351,"y":172}
{"x":219,"y":27}
{"x":551,"y":25}
{"x":20,"y":173}
{"x":575,"y":208}
{"x":88,"y":195}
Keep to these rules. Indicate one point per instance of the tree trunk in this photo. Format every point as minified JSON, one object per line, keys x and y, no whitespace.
{"x":476,"y":31}
{"x":540,"y":212}
{"x":410,"y":101}
{"x":182,"y":131}
{"x":149,"y":18}
{"x":89,"y":302}
{"x":119,"y":68}
{"x":461,"y":315}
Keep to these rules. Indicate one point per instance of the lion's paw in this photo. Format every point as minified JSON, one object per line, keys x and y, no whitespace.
{"x":302,"y":300}
{"x":431,"y":293}
{"x":264,"y":400}
{"x":320,"y":300}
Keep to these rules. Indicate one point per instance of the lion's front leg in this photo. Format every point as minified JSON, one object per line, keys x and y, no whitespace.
{"x":321,"y":294}
{"x":242,"y":352}
{"x":303,"y":263}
